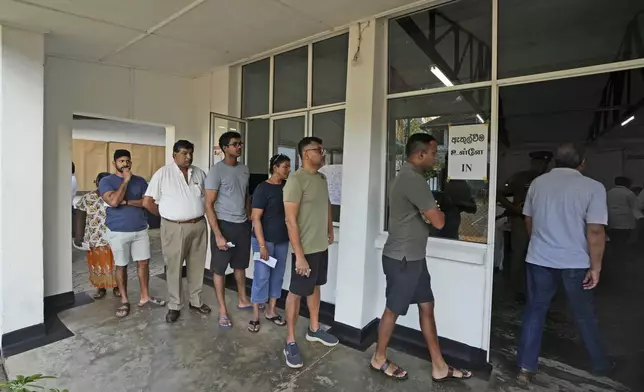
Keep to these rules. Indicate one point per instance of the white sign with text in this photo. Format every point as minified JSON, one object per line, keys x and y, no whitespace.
{"x":467,"y":152}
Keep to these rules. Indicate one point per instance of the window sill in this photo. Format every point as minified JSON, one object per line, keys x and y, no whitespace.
{"x":440,"y":248}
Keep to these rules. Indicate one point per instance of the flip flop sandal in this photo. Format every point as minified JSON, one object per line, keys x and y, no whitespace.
{"x":100,"y":294}
{"x":399,"y":374}
{"x":278,"y":320}
{"x":123,"y":310}
{"x":253,"y":326}
{"x":247,"y":307}
{"x":450,"y":375}
{"x":224,"y":322}
{"x":116,"y":292}
{"x":153,"y":301}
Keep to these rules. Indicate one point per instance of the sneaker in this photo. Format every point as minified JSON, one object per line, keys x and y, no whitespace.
{"x":292,"y":355}
{"x":322,"y":336}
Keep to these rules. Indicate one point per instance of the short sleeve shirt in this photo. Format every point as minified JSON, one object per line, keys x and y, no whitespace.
{"x":179,"y":198}
{"x":269,"y":198}
{"x":409,"y":197}
{"x":311,"y":192}
{"x":127,"y":219}
{"x":561,"y":203}
{"x":231,"y":184}
{"x":94,"y":207}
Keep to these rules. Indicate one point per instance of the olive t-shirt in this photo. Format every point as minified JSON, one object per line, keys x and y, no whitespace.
{"x":408,"y":232}
{"x":311,"y":191}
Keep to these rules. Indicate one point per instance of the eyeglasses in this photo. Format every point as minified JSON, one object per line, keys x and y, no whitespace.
{"x":319,"y":150}
{"x":236,"y":144}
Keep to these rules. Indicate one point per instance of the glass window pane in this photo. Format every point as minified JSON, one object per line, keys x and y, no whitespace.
{"x":287,"y":133}
{"x":255,"y":80}
{"x":290,"y":84}
{"x":465,"y":203}
{"x":329,"y":127}
{"x":257,"y":151}
{"x":330,"y":60}
{"x":550,"y":35}
{"x":441,"y":46}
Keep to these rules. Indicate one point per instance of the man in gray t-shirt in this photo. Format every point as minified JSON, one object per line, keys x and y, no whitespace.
{"x":228,"y":209}
{"x":412,"y":209}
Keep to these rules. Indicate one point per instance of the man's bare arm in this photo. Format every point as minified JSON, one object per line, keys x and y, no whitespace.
{"x":292,"y":210}
{"x":528,"y":224}
{"x":435,"y":217}
{"x":115,"y":198}
{"x":211,"y":198}
{"x":149,"y":204}
{"x":80,"y":226}
{"x":135,"y":203}
{"x":596,"y":235}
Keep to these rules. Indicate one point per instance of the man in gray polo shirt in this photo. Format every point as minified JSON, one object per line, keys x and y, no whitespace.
{"x":412,"y":210}
{"x":228,"y":209}
{"x":565,"y":216}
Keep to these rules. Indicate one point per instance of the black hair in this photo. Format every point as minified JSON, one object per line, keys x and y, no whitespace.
{"x":186,"y":145}
{"x":569,"y":156}
{"x":101,"y":176}
{"x":305,"y":142}
{"x":224,"y":139}
{"x":277,"y":160}
{"x":416,"y":142}
{"x":121,"y":153}
{"x":73,"y":168}
{"x":623,"y":181}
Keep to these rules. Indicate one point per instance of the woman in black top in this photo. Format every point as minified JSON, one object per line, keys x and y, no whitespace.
{"x":270,"y":239}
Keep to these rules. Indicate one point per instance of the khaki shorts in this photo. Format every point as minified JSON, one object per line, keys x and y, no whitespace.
{"x":128,"y":246}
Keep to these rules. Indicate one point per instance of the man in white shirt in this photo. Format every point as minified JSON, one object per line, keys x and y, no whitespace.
{"x":176,"y":193}
{"x":624,"y":210}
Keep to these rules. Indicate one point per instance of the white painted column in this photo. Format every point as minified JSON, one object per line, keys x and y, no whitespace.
{"x":358,"y":266}
{"x":21,"y":179}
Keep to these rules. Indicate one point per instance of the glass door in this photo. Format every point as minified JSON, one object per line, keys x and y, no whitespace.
{"x":287,"y":131}
{"x":220,"y":124}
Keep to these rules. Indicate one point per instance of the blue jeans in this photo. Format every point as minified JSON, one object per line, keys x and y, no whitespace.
{"x":542,"y":285}
{"x":267,"y":281}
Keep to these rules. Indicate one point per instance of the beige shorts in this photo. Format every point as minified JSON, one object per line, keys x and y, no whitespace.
{"x":129,"y":246}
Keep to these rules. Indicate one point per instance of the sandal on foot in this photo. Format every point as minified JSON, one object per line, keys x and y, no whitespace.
{"x":99,"y":294}
{"x":253,"y":326}
{"x":278,"y":320}
{"x":450,"y":375}
{"x":123,"y":310}
{"x":116,"y":292}
{"x":398,"y":374}
{"x":153,"y":301}
{"x":246,"y":307}
{"x":224,"y":322}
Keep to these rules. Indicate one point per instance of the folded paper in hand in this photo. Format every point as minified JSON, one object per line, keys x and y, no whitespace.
{"x":270,"y":262}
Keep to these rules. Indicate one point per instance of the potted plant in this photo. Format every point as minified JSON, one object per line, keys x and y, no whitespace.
{"x":25,"y":384}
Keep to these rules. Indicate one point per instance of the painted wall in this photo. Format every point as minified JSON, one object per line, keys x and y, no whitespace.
{"x":73,"y":87}
{"x":118,"y":131}
{"x":21,"y":132}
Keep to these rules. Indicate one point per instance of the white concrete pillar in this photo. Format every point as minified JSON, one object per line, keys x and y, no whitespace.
{"x":358,"y":267}
{"x":21,"y":180}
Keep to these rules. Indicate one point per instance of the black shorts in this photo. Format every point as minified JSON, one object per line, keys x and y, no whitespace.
{"x":238,"y":257}
{"x":304,"y":285}
{"x":408,"y":282}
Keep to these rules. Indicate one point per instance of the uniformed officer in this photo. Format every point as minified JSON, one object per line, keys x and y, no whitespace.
{"x":517,"y":187}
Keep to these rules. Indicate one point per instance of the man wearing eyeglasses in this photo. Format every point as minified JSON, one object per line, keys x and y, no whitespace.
{"x":310,"y":231}
{"x":228,"y":209}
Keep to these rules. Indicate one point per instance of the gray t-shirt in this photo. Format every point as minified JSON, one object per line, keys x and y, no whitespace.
{"x":408,"y":232}
{"x":231,"y":184}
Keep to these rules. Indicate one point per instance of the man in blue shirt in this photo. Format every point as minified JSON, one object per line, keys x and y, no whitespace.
{"x":127,"y":227}
{"x":565,"y":215}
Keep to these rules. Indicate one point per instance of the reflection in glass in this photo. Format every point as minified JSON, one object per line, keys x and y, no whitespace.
{"x":290,"y":83}
{"x":330,"y":59}
{"x":550,"y":35}
{"x":287,"y":133}
{"x":443,"y":46}
{"x":329,"y":126}
{"x":255,"y":81}
{"x":257,"y":151}
{"x":465,"y":203}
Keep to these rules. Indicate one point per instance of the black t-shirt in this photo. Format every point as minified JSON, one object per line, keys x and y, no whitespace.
{"x":268,"y":197}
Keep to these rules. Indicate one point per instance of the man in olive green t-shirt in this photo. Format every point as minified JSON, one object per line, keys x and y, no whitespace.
{"x":310,"y":231}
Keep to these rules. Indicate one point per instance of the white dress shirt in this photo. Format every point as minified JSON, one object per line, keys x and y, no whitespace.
{"x":178,"y":200}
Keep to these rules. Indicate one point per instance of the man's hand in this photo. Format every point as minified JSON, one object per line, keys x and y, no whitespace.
{"x":222,"y":243}
{"x":302,"y":266}
{"x":331,"y":237}
{"x":127,"y":175}
{"x":591,"y":280}
{"x":263,"y":253}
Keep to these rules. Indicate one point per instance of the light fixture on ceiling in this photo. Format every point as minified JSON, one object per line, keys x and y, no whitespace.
{"x":441,"y":76}
{"x":478,"y":117}
{"x":631,"y":118}
{"x":221,"y":127}
{"x":233,"y":129}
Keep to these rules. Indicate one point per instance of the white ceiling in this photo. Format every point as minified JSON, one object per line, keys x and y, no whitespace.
{"x":183,"y":37}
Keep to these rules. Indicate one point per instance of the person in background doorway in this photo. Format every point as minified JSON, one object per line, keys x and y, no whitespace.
{"x":310,"y":230}
{"x":412,"y":209}
{"x":74,"y":191}
{"x":127,"y":228}
{"x":91,"y":230}
{"x":565,"y":217}
{"x":228,"y":209}
{"x":624,"y":210}
{"x":517,"y":187}
{"x":176,"y":193}
{"x":270,"y":239}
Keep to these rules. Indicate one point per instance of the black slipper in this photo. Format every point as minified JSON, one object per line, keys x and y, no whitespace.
{"x":253,"y":326}
{"x":450,"y":375}
{"x":399,"y":374}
